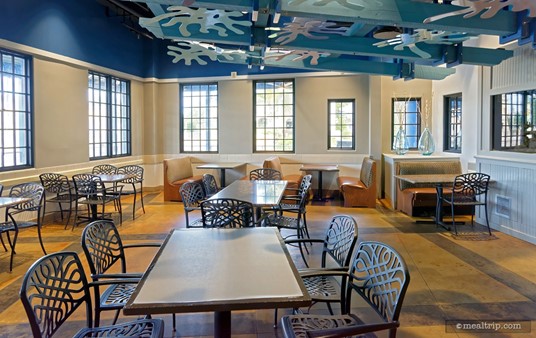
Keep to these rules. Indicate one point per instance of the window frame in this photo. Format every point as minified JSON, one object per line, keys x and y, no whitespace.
{"x":207,"y":107}
{"x":112,"y":142}
{"x":27,"y":111}
{"x":418,"y":124}
{"x":448,"y":123}
{"x":353,"y":124}
{"x":255,"y":113}
{"x":526,"y":112}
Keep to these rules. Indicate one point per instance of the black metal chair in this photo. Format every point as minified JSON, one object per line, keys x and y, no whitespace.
{"x":265,"y":174}
{"x":469,"y":190}
{"x":103,"y":249}
{"x":105,"y":169}
{"x":338,"y":245}
{"x":55,"y":286}
{"x":227,"y":213}
{"x":291,"y":203}
{"x":23,"y":215}
{"x":91,"y":191}
{"x":192,"y":194}
{"x":210,"y":185}
{"x":279,"y":219}
{"x":60,"y":191}
{"x":135,"y":179}
{"x":379,"y":275}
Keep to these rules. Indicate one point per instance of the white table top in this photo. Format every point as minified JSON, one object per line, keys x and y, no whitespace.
{"x":11,"y":201}
{"x":428,"y":178}
{"x":219,"y":269}
{"x":220,"y":165}
{"x":319,"y":167}
{"x":258,"y":192}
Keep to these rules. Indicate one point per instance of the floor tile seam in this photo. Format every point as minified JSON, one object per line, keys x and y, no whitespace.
{"x":488,"y":268}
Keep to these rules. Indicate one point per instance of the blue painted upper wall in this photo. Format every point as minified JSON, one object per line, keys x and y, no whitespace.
{"x":81,"y":30}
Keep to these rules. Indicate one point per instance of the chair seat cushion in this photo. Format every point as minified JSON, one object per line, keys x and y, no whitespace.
{"x":117,"y":295}
{"x":138,"y":328}
{"x":196,"y":178}
{"x":298,"y":325}
{"x":323,"y":288}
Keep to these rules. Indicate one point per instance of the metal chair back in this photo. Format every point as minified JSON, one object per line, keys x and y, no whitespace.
{"x":54,"y":287}
{"x":341,"y":237}
{"x":102,"y":246}
{"x":209,"y":183}
{"x":227,"y":213}
{"x":106,"y":169}
{"x":265,"y":174}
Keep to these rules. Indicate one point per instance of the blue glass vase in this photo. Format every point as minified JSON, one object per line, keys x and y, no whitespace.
{"x":426,"y":143}
{"x":400,"y":143}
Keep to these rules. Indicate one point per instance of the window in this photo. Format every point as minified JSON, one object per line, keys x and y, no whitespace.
{"x":16,"y":108}
{"x":274,"y":116}
{"x":406,"y":115}
{"x":109,"y":116}
{"x":199,"y":118}
{"x":514,"y":117}
{"x":341,"y":124}
{"x":453,"y":123}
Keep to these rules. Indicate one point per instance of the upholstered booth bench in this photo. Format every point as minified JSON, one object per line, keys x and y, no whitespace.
{"x":274,"y":162}
{"x":421,"y":199}
{"x":360,"y":191}
{"x":177,"y":171}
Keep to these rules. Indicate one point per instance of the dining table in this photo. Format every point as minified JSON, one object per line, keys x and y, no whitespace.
{"x":321,"y":168}
{"x":222,"y":167}
{"x":439,"y":181}
{"x":260,"y":193}
{"x":220,"y":271}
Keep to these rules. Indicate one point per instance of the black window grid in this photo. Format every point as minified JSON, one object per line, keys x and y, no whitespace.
{"x":199,"y":118}
{"x":109,"y":116}
{"x":16,"y":119}
{"x":341,"y":124}
{"x":453,"y":123}
{"x":274,"y":116}
{"x":406,"y":115}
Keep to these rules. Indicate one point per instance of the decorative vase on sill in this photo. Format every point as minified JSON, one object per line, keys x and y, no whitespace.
{"x":426,"y":143}
{"x":400,"y":143}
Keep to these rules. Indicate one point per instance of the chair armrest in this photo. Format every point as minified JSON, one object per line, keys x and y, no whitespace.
{"x":126,"y":276}
{"x":304,"y":240}
{"x":98,"y":283}
{"x":142,"y":245}
{"x":342,"y":272}
{"x":352,"y":330}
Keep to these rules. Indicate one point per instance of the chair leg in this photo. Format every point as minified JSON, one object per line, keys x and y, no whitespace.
{"x":41,"y":238}
{"x":275,"y":317}
{"x":487,"y":220}
{"x":141,"y":198}
{"x":116,"y":316}
{"x":12,"y":248}
{"x":174,"y":318}
{"x":453,"y":218}
{"x":134,"y":205}
{"x":330,"y":309}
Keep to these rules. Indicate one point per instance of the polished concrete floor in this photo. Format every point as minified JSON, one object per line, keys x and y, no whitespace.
{"x":489,"y":281}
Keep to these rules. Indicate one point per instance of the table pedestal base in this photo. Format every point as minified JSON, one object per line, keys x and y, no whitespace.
{"x":222,"y":324}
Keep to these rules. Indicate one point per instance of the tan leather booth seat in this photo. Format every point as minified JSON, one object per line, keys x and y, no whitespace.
{"x":360,"y":191}
{"x":177,"y":171}
{"x":274,"y":162}
{"x":421,"y":199}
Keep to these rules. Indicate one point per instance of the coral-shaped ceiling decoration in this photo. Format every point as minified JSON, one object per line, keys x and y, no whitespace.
{"x":189,"y":51}
{"x":300,"y":55}
{"x":488,"y":7}
{"x":356,"y":4}
{"x":207,"y":19}
{"x":422,"y":35}
{"x":300,"y":26}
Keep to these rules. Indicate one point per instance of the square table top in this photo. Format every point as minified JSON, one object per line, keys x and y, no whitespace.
{"x":199,"y":270}
{"x":428,"y":178}
{"x":319,"y":167}
{"x":257,"y":192}
{"x":220,"y":165}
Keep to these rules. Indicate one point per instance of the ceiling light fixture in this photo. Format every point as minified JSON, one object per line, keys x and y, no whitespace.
{"x":387,"y":32}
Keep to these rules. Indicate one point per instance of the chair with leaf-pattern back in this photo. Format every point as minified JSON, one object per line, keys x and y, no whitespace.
{"x":192,"y":194}
{"x":60,"y":191}
{"x":265,"y":174}
{"x":227,"y":213}
{"x":135,"y":179}
{"x":210,"y":185}
{"x":103,"y":249}
{"x":55,"y":287}
{"x":104,"y":169}
{"x":377,"y":274}
{"x":337,"y":247}
{"x":23,"y":215}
